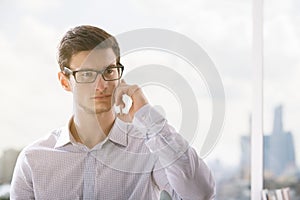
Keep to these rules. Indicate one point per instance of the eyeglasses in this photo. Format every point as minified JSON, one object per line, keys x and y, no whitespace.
{"x":110,"y":73}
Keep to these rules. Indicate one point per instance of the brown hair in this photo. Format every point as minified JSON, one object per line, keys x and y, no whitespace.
{"x":84,"y":38}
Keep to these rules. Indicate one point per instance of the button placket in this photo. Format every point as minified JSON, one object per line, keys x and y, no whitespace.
{"x":89,"y":175}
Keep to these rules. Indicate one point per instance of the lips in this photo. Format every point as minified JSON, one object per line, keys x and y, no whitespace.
{"x":101,"y":96}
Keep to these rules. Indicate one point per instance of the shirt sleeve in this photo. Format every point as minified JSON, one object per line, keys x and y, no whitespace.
{"x":180,"y":172}
{"x":21,"y":185}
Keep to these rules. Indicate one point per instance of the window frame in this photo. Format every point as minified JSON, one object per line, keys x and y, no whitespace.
{"x":257,"y":109}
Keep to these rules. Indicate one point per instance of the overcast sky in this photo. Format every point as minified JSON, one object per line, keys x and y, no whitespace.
{"x":33,"y":103}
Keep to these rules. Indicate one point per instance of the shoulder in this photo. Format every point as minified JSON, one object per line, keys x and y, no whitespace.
{"x":34,"y":152}
{"x":46,"y":142}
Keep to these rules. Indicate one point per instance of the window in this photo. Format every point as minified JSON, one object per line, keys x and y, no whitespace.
{"x":281,"y":95}
{"x":31,"y":102}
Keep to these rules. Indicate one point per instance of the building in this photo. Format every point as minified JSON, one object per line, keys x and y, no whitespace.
{"x":7,"y":165}
{"x":279,"y":151}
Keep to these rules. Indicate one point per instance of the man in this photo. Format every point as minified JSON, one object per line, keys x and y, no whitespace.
{"x":100,"y":154}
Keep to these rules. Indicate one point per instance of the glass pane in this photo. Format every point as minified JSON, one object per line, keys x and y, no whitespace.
{"x":33,"y":103}
{"x":230,"y":159}
{"x":281,"y":95}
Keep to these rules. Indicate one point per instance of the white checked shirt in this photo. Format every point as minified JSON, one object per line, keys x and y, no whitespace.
{"x":126,"y":165}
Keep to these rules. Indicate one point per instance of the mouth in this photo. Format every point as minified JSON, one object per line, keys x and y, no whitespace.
{"x":100,"y":97}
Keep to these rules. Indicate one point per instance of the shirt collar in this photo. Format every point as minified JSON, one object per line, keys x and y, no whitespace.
{"x":65,"y":137}
{"x":118,"y":134}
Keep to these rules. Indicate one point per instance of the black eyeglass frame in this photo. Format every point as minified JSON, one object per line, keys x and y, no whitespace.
{"x":67,"y":71}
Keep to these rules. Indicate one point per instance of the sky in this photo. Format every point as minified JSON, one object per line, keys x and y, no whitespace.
{"x":33,"y":103}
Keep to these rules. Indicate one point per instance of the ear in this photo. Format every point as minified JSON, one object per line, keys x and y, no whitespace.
{"x":64,"y":81}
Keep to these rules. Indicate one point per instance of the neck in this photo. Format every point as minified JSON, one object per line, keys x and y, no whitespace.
{"x":91,"y":129}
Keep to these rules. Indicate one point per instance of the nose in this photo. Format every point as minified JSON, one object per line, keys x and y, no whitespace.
{"x":100,"y":83}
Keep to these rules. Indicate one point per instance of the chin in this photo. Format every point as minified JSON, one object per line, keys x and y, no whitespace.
{"x":103,"y":109}
{"x":99,"y":109}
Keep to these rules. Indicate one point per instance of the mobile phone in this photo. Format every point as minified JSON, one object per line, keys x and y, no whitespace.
{"x":128,"y":103}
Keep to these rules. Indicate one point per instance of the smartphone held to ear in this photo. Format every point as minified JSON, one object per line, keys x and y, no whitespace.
{"x":127,"y":102}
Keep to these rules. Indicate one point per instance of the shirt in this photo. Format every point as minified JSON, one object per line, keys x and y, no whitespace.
{"x":137,"y":160}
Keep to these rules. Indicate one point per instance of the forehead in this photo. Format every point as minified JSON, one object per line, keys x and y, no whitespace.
{"x":94,"y":59}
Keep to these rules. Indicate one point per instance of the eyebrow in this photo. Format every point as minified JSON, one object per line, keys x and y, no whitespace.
{"x":91,"y":69}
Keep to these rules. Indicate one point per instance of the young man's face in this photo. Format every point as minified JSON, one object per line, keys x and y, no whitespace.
{"x":93,"y":97}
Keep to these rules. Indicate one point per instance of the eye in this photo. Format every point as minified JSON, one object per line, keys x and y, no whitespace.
{"x":86,"y":74}
{"x":109,"y":70}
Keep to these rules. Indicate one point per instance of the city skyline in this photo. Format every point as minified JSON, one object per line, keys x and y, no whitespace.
{"x":278,"y":150}
{"x":33,"y":102}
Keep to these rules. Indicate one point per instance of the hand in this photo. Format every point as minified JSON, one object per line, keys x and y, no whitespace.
{"x":135,"y":93}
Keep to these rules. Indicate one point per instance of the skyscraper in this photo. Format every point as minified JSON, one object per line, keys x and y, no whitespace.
{"x":279,"y":151}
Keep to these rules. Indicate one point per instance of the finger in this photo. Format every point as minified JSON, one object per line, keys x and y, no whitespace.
{"x":122,"y":89}
{"x":132,"y":90}
{"x":118,"y":93}
{"x":123,"y":81}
